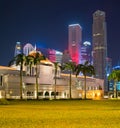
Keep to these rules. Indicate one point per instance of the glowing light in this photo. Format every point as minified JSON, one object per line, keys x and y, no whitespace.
{"x":74,"y":25}
{"x":58,"y":52}
{"x":116,"y":67}
{"x":97,"y":34}
{"x":98,"y":93}
{"x":18,"y":42}
{"x":98,"y":48}
{"x":87,"y":43}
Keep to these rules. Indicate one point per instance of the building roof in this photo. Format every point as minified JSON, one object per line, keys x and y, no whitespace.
{"x":46,"y":62}
{"x":7,"y":68}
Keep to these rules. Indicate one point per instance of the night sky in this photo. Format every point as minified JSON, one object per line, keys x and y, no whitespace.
{"x":45,"y":22}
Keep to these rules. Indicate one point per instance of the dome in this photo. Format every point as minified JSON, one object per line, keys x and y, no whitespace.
{"x":33,"y":53}
{"x":28,"y":45}
{"x":27,"y":49}
{"x":46,"y":61}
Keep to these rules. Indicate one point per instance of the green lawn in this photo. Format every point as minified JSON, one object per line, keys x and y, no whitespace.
{"x":61,"y":114}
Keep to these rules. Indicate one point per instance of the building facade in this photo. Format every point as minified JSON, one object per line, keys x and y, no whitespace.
{"x":99,"y":45}
{"x":10,"y":86}
{"x":74,"y":42}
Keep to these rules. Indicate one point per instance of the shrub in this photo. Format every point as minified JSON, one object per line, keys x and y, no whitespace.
{"x":3,"y":102}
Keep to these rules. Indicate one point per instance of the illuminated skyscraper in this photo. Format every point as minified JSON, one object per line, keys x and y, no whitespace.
{"x":51,"y":55}
{"x":54,"y":55}
{"x":86,"y":53}
{"x":99,"y":44}
{"x":18,"y":49}
{"x":108,"y":66}
{"x":66,"y":57}
{"x":74,"y":43}
{"x":59,"y":56}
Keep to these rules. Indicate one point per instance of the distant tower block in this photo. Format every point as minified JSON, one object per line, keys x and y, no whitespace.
{"x":86,"y":52}
{"x":99,"y":44}
{"x":74,"y":42}
{"x":18,"y":49}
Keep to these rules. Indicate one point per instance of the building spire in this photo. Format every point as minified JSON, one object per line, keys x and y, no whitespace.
{"x":35,"y":47}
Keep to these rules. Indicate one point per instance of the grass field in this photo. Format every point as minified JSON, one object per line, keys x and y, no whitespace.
{"x":61,"y":114}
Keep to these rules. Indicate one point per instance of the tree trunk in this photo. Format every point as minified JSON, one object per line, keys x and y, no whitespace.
{"x":30,"y":69}
{"x":55,"y":88}
{"x":115,"y":95}
{"x":70,"y":86}
{"x":85,"y":87}
{"x":55,"y":77}
{"x":37,"y":83}
{"x":21,"y":80}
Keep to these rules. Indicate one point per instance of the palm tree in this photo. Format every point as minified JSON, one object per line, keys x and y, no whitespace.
{"x":19,"y":60}
{"x":56,"y":66}
{"x":115,"y":76}
{"x":29,"y":61}
{"x":70,"y":66}
{"x":85,"y":69}
{"x":37,"y":58}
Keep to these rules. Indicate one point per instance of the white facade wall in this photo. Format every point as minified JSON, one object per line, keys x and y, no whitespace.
{"x":11,"y":85}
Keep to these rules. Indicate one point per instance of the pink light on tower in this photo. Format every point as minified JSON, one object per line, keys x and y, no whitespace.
{"x":52,"y":55}
{"x":74,"y":43}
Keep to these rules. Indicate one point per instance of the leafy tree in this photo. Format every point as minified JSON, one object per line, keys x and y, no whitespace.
{"x":19,"y":60}
{"x":115,"y":76}
{"x":70,"y":67}
{"x":85,"y":69}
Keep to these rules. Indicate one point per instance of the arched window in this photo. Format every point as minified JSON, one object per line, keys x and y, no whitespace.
{"x":52,"y":93}
{"x":47,"y":94}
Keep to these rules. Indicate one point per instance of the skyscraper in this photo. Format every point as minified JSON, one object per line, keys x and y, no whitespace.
{"x":18,"y":49}
{"x":108,"y":66}
{"x":59,"y":56}
{"x":74,"y":43}
{"x":99,"y":44}
{"x":86,"y":52}
{"x":66,"y":57}
{"x":51,"y":55}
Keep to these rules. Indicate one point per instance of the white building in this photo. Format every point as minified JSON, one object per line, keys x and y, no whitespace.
{"x":10,"y":84}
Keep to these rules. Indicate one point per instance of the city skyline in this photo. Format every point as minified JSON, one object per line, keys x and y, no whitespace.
{"x":47,"y":23}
